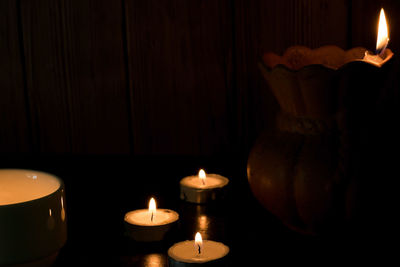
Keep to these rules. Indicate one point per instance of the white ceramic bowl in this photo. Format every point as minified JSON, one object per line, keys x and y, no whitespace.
{"x":32,"y":217}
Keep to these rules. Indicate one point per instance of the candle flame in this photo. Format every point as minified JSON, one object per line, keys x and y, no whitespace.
{"x":383,"y":36}
{"x":152,"y":205}
{"x":152,"y":208}
{"x":202,"y":176}
{"x":198,"y":242}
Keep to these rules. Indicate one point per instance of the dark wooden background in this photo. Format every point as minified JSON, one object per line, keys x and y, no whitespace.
{"x":157,"y":77}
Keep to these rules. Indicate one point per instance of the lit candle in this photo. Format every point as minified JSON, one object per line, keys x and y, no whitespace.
{"x":198,"y":251}
{"x":203,"y":187}
{"x":148,"y":225}
{"x":31,"y":205}
{"x":152,"y":209}
{"x":382,"y":53}
{"x":198,"y":243}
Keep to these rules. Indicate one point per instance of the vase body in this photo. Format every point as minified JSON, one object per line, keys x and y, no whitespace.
{"x":296,"y":175}
{"x":311,"y":169}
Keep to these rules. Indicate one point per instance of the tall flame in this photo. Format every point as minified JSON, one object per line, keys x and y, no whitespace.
{"x":383,"y":36}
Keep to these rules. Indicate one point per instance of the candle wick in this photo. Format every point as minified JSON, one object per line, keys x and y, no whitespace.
{"x":204,"y":182}
{"x":198,"y":245}
{"x":152,"y":215}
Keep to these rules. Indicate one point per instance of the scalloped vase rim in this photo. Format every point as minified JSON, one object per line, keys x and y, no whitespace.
{"x":388,"y":55}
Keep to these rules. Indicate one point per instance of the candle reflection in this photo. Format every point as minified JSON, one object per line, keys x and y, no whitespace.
{"x":50,"y":221}
{"x":208,"y":220}
{"x":62,"y":209}
{"x":154,"y":260}
{"x":202,"y":224}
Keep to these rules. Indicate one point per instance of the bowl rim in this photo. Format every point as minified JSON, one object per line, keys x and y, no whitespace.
{"x":24,"y":203}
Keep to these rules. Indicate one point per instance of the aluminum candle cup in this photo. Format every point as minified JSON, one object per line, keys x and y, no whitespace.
{"x":32,"y":217}
{"x":150,"y":225}
{"x":198,"y":252}
{"x":203,"y":188}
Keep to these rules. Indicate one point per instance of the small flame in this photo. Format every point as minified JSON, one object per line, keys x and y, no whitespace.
{"x":383,"y":36}
{"x":202,"y":176}
{"x":198,"y":242}
{"x":152,"y":205}
{"x":152,"y":209}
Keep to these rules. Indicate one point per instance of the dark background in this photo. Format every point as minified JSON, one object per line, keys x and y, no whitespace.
{"x":122,"y":98}
{"x":157,"y":77}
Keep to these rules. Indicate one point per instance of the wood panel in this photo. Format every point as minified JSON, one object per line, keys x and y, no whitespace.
{"x":14,"y":129}
{"x":263,"y":26}
{"x":157,"y":77}
{"x":364,"y":16}
{"x":180,"y":71}
{"x":76,"y":75}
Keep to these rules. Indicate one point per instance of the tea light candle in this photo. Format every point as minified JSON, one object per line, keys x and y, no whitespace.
{"x":203,"y":188}
{"x":149,"y":225}
{"x":195,"y":252}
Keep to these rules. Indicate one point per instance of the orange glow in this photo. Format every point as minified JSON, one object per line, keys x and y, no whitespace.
{"x":152,"y":260}
{"x":383,"y":36}
{"x":202,"y":223}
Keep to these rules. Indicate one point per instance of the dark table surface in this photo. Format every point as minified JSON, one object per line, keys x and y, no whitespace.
{"x":101,"y":189}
